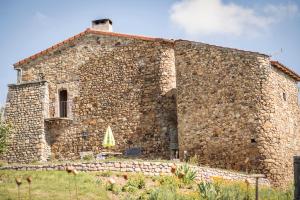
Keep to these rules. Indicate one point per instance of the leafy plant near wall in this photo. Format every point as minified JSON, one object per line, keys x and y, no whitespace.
{"x":4,"y":131}
{"x":134,"y":183}
{"x":209,"y":191}
{"x":88,"y":157}
{"x":186,"y":174}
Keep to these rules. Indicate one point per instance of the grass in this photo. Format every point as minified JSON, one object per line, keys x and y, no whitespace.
{"x":60,"y":185}
{"x":50,"y":185}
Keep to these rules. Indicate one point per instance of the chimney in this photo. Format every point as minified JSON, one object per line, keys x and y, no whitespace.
{"x":102,"y":25}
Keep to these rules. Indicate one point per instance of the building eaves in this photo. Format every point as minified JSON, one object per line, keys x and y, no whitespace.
{"x":87,"y":31}
{"x":285,"y":70}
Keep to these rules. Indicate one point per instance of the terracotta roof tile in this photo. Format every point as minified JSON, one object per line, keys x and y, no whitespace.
{"x":285,"y":70}
{"x":275,"y":64}
{"x":87,"y":31}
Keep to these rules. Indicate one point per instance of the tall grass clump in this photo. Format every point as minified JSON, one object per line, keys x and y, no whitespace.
{"x":186,"y":174}
{"x":134,"y":183}
{"x":112,"y":186}
{"x":220,"y":189}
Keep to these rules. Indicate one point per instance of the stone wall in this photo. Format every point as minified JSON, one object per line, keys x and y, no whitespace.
{"x":281,"y":129}
{"x":145,"y":167}
{"x":127,"y":87}
{"x":126,"y":83}
{"x":219,"y":93}
{"x":25,"y":111}
{"x":236,"y":111}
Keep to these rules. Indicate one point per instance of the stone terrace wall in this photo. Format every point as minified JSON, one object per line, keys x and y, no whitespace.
{"x":281,"y":138}
{"x":24,"y":109}
{"x":126,"y":83}
{"x":147,"y":168}
{"x":219,"y":103}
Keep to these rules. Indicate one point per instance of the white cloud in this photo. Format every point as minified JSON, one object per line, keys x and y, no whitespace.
{"x":215,"y":17}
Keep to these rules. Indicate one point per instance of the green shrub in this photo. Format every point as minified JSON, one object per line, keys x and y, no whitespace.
{"x":163,"y":193}
{"x":186,"y":174}
{"x":194,"y":160}
{"x":169,"y":193}
{"x":88,"y":157}
{"x":134,"y":183}
{"x":208,"y":191}
{"x":113,"y":188}
{"x":171,"y":181}
{"x":106,"y":174}
{"x":228,"y":190}
{"x":5,"y":129}
{"x":266,"y":193}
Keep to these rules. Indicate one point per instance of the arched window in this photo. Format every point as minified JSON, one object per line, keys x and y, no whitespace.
{"x":63,"y":103}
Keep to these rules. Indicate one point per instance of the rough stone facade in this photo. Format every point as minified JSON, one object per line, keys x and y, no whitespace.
{"x":218,"y":100}
{"x":232,"y":111}
{"x":125,"y":83}
{"x":232,"y":108}
{"x":25,"y":110}
{"x":279,"y":139}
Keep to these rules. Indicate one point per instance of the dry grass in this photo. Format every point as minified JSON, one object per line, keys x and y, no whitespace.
{"x":46,"y":185}
{"x":50,"y":185}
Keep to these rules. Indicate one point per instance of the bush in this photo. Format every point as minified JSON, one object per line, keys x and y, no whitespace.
{"x":208,"y":191}
{"x":163,"y":193}
{"x":194,"y":160}
{"x":134,"y":183}
{"x":113,"y":188}
{"x":106,"y":174}
{"x":169,"y":193}
{"x":88,"y":157}
{"x":4,"y":131}
{"x":226,"y":190}
{"x":186,"y":174}
{"x":170,"y":181}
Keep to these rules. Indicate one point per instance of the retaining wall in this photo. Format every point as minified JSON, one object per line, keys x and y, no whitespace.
{"x":147,"y":168}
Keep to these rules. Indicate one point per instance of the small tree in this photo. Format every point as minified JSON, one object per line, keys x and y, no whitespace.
{"x":4,"y":131}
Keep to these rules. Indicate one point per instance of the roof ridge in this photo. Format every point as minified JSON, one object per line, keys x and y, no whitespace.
{"x":285,"y":70}
{"x":276,"y":64}
{"x":87,"y":31}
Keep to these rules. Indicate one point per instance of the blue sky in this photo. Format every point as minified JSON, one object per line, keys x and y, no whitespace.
{"x":265,"y":26}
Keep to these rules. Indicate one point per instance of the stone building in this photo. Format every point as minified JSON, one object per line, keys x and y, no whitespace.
{"x":235,"y":109}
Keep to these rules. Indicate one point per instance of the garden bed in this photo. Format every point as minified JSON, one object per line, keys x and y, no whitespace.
{"x":60,"y":185}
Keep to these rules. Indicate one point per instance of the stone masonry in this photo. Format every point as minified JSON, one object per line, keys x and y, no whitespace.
{"x":25,"y":110}
{"x":221,"y":122}
{"x":122,"y":82}
{"x":147,"y":168}
{"x":234,"y":109}
{"x":279,"y":139}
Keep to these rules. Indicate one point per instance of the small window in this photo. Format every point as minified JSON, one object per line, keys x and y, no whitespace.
{"x":19,"y":75}
{"x":284,"y":96}
{"x":253,"y":141}
{"x":63,"y":103}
